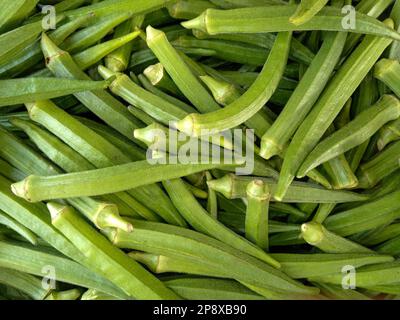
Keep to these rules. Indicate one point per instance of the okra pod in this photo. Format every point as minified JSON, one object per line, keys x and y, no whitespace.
{"x":99,"y":102}
{"x":11,"y":223}
{"x":388,"y":71}
{"x":302,"y":266}
{"x":353,"y":134}
{"x":317,"y":235}
{"x":250,"y":102}
{"x":234,"y":187}
{"x":383,"y":164}
{"x":188,"y":84}
{"x":184,"y":243}
{"x":367,"y":216}
{"x":304,"y":96}
{"x":338,"y":91}
{"x":201,"y":221}
{"x":256,"y":225}
{"x":306,"y":10}
{"x":389,"y":133}
{"x":276,"y":19}
{"x":105,"y":259}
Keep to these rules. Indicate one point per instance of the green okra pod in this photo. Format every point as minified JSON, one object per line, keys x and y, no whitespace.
{"x":276,"y":19}
{"x":338,"y":293}
{"x":72,"y":294}
{"x":24,"y":90}
{"x":185,"y":10}
{"x":11,"y":223}
{"x":90,"y":35}
{"x":383,"y":164}
{"x":105,"y":259}
{"x":389,"y":133}
{"x":353,"y":134}
{"x":212,"y":200}
{"x":369,"y":215}
{"x":201,"y":221}
{"x":324,"y":210}
{"x":36,"y":218}
{"x":13,"y":12}
{"x":338,"y":91}
{"x":149,"y":87}
{"x":391,"y":247}
{"x":32,"y":54}
{"x":172,"y":241}
{"x":234,"y":187}
{"x":317,"y":235}
{"x":15,"y":40}
{"x":27,"y":283}
{"x":158,"y":77}
{"x":256,"y":223}
{"x":107,"y":7}
{"x":195,"y":288}
{"x":231,"y":51}
{"x":301,"y":266}
{"x":118,"y":60}
{"x":388,"y":72}
{"x":250,"y":102}
{"x":304,"y":96}
{"x":306,"y":10}
{"x":188,"y":84}
{"x":99,"y":102}
{"x":113,"y":179}
{"x":387,"y":233}
{"x":298,"y":51}
{"x":160,"y":109}
{"x":367,"y":276}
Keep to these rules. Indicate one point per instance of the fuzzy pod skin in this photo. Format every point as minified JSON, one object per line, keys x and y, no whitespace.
{"x":317,"y":235}
{"x":188,"y":84}
{"x":250,"y":102}
{"x":114,"y":179}
{"x":177,"y":242}
{"x":305,"y":95}
{"x":387,"y":71}
{"x":306,"y":10}
{"x":389,"y":133}
{"x":201,"y":221}
{"x":336,"y":94}
{"x":256,"y":223}
{"x":383,"y":164}
{"x":367,"y":216}
{"x":106,"y":259}
{"x":276,"y":19}
{"x":302,"y":266}
{"x":353,"y":134}
{"x":99,"y":102}
{"x":234,"y":187}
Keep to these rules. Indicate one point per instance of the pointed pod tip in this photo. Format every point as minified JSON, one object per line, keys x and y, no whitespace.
{"x":20,"y":189}
{"x":152,"y":33}
{"x":55,"y":209}
{"x":198,"y":23}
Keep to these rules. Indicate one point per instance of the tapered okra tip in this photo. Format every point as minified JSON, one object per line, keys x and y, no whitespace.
{"x":49,"y":48}
{"x":186,"y":125}
{"x":55,"y":209}
{"x":20,"y":189}
{"x":223,"y":185}
{"x":152,"y":34}
{"x":258,"y":189}
{"x":384,"y":66}
{"x":105,"y":72}
{"x":198,"y":23}
{"x":269,"y":148}
{"x":312,"y":232}
{"x":154,"y":73}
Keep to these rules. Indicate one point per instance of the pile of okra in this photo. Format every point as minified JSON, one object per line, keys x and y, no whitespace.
{"x":102,"y":191}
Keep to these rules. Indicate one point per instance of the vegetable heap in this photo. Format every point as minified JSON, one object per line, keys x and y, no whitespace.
{"x":99,"y":203}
